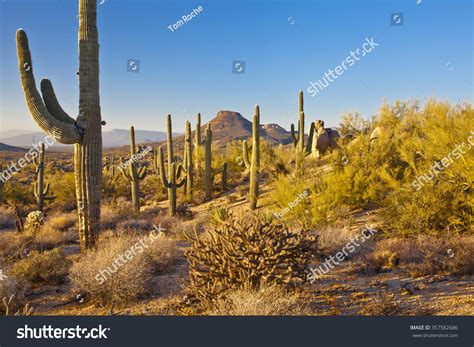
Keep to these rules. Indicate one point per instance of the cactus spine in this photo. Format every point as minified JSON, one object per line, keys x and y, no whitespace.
{"x":208,"y":163}
{"x":84,"y":132}
{"x":41,"y":192}
{"x":298,"y":142}
{"x":254,"y":164}
{"x":134,"y":174}
{"x":188,"y":162}
{"x":174,"y":170}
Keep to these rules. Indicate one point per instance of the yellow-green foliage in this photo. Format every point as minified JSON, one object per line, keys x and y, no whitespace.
{"x":15,"y":192}
{"x":63,"y":186}
{"x":49,"y":266}
{"x":291,"y":195}
{"x":411,"y":141}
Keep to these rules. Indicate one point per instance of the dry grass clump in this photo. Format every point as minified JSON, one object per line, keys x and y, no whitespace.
{"x":332,"y":239}
{"x":49,"y":266}
{"x":383,"y":304}
{"x":180,"y":229}
{"x":12,"y":294}
{"x":119,"y":270}
{"x":245,"y":252}
{"x":62,"y":221}
{"x":267,"y":300}
{"x":423,"y":255}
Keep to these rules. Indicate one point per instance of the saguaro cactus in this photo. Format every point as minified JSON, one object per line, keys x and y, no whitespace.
{"x":254,"y":164}
{"x":41,"y":192}
{"x":84,"y":132}
{"x":2,"y":182}
{"x":208,"y":163}
{"x":298,"y":142}
{"x":135,"y":173}
{"x":224,"y":177}
{"x":174,"y":170}
{"x":188,"y":162}
{"x":197,"y":143}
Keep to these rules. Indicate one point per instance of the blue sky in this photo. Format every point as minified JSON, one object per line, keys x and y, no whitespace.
{"x":285,"y":45}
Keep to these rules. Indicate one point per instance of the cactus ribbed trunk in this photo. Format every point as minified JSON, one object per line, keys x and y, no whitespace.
{"x":134,"y":184}
{"x":208,"y":163}
{"x":174,"y":171}
{"x":197,"y":144}
{"x":88,"y":152}
{"x":224,"y":177}
{"x":188,"y":154}
{"x":301,"y":150}
{"x":85,"y":132}
{"x":255,"y":166}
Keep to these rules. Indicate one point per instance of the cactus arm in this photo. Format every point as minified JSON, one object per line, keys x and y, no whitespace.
{"x":309,"y":145}
{"x":179,"y":170}
{"x":245,"y":153}
{"x":164,"y":181}
{"x":181,"y":183}
{"x":52,"y":104}
{"x":35,"y":189}
{"x":293,"y":135}
{"x":61,"y":131}
{"x":125,"y":174}
{"x":141,"y":173}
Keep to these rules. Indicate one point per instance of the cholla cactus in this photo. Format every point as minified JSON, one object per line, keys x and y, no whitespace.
{"x":40,"y":191}
{"x":135,"y":173}
{"x":34,"y":220}
{"x":298,"y":142}
{"x":85,"y":131}
{"x":254,"y":164}
{"x":174,"y":169}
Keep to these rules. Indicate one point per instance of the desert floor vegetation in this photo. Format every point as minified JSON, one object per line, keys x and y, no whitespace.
{"x":217,"y":255}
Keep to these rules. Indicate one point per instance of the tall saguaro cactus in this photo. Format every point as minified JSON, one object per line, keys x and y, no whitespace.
{"x":85,"y":131}
{"x":207,"y":141}
{"x":298,"y":142}
{"x":188,"y":161}
{"x":41,"y":192}
{"x":2,"y":182}
{"x":174,"y":169}
{"x":135,"y":173}
{"x":254,"y":164}
{"x":197,"y":143}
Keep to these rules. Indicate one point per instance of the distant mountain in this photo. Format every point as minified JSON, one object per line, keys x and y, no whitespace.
{"x":113,"y":138}
{"x":230,"y":126}
{"x":8,"y":148}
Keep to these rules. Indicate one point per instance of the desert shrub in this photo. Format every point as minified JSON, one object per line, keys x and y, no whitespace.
{"x":267,"y":300}
{"x":108,"y":282}
{"x":12,"y":294}
{"x":353,"y":124}
{"x":245,"y":252}
{"x":15,"y":192}
{"x":387,"y":172}
{"x":63,"y":186}
{"x":49,"y":266}
{"x":114,"y":186}
{"x":382,"y":304}
{"x":291,"y":196}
